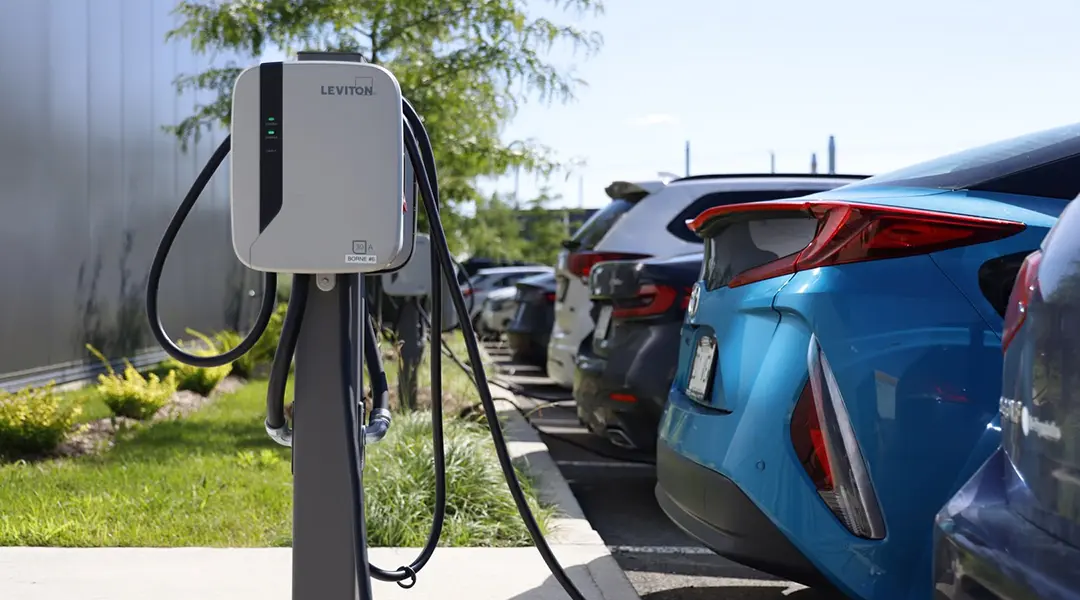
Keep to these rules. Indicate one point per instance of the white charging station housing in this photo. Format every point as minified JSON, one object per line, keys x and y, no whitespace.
{"x":317,"y":168}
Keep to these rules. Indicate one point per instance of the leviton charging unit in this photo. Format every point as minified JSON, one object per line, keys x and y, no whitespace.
{"x":317,"y":169}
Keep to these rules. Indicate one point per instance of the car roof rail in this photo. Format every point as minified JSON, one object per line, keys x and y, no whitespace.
{"x":770,"y":175}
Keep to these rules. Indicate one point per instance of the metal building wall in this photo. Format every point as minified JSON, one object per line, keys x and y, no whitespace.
{"x":88,"y":181}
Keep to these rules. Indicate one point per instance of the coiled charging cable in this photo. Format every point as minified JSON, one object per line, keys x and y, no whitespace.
{"x":418,"y":147}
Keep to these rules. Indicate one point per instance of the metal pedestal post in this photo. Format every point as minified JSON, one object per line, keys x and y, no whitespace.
{"x":324,"y":552}
{"x":411,"y":333}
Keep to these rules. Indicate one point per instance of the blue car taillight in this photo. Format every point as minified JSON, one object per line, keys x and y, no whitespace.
{"x":825,"y":442}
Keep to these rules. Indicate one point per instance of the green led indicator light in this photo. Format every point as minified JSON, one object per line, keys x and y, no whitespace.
{"x":271,"y":132}
{"x":272,"y":119}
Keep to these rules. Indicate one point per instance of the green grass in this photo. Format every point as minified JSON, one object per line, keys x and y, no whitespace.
{"x":93,"y":407}
{"x":214,"y":479}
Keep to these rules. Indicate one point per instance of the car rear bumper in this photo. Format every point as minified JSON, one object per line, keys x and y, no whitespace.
{"x":712,"y":509}
{"x":982,"y":549}
{"x":637,"y":371}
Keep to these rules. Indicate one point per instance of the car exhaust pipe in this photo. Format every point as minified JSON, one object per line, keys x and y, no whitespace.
{"x":619,"y":438}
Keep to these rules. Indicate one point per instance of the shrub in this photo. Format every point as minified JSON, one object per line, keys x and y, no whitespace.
{"x":400,"y":486}
{"x":133,"y":395}
{"x":201,"y":380}
{"x":243,"y":366}
{"x":264,"y":349}
{"x":34,"y":421}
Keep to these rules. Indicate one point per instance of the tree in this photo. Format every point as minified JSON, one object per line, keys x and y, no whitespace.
{"x":464,"y":64}
{"x":495,"y":230}
{"x":545,"y":229}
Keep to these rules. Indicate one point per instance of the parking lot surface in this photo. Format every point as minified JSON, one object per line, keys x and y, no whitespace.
{"x":615,"y":490}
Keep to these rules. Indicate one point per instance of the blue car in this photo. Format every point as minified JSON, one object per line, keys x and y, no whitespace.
{"x":841,"y":361}
{"x":1013,"y":531}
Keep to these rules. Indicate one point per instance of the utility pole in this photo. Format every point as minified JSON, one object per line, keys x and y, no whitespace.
{"x":581,"y":191}
{"x":813,"y":163}
{"x":772,"y":161}
{"x":832,"y":155}
{"x":517,"y":187}
{"x":687,"y":158}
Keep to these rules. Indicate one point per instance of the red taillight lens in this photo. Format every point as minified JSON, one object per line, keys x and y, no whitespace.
{"x":466,"y":291}
{"x":825,"y":442}
{"x":850,"y":233}
{"x":651,"y":300}
{"x":1026,"y":286}
{"x":809,"y":443}
{"x":550,"y":296}
{"x":581,"y":263}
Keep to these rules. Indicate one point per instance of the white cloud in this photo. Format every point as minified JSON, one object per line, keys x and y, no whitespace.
{"x":655,"y":120}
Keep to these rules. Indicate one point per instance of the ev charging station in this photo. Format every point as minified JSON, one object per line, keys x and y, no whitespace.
{"x":318,"y":174}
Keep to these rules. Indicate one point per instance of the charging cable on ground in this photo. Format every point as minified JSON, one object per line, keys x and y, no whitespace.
{"x":418,"y":146}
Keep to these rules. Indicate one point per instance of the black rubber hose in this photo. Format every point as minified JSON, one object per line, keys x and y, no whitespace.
{"x":438,"y":240}
{"x":153,"y":281}
{"x":380,"y":390}
{"x":408,"y":574}
{"x":286,"y":350}
{"x":347,"y":284}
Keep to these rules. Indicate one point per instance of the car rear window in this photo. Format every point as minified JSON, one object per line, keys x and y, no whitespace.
{"x":593,"y":230}
{"x":1044,"y":163}
{"x":678,"y":227}
{"x":744,"y":245}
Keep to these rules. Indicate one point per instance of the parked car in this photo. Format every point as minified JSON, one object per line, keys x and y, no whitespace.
{"x":841,"y":360}
{"x":486,"y":280}
{"x":530,"y":329}
{"x":623,"y":377}
{"x":498,"y":310}
{"x":1013,"y":531}
{"x":647,"y":219}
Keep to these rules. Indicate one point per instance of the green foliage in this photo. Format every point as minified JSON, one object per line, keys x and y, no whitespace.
{"x":243,"y":366}
{"x":532,"y":233}
{"x":401,"y":488}
{"x":34,"y":421}
{"x":132,"y":395}
{"x":466,"y":67}
{"x":201,"y":380}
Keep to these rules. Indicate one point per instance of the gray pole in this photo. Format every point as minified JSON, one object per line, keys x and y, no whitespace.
{"x":772,"y":161}
{"x":813,"y":163}
{"x":832,"y":155}
{"x":324,"y":560}
{"x":687,"y":158}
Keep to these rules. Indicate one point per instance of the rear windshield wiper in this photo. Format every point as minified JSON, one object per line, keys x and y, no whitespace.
{"x":571,"y":245}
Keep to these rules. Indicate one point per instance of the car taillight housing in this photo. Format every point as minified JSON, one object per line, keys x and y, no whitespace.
{"x":549,"y":297}
{"x":851,"y":232}
{"x":825,"y":443}
{"x":1026,"y":286}
{"x":651,"y":300}
{"x":581,"y":263}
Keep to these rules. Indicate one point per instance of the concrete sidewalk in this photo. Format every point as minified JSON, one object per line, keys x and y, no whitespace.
{"x":265,"y":574}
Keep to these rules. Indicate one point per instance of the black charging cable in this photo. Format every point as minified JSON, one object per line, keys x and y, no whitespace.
{"x":414,"y":144}
{"x":157,"y":266}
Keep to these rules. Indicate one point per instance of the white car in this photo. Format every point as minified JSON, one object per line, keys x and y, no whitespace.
{"x":498,"y":310}
{"x":477,"y":288}
{"x":648,"y":219}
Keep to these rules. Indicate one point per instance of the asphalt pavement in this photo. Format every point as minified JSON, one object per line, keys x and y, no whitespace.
{"x":615,"y":489}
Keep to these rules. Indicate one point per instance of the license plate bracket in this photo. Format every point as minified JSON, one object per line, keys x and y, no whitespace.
{"x":603,"y":322}
{"x":702,"y":365}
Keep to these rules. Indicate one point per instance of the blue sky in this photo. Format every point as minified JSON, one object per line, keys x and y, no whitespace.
{"x":895,"y":82}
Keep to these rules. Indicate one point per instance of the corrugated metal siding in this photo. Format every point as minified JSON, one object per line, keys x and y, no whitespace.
{"x":88,"y":181}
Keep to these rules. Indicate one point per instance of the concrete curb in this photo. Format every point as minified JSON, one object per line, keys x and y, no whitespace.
{"x":570,"y":528}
